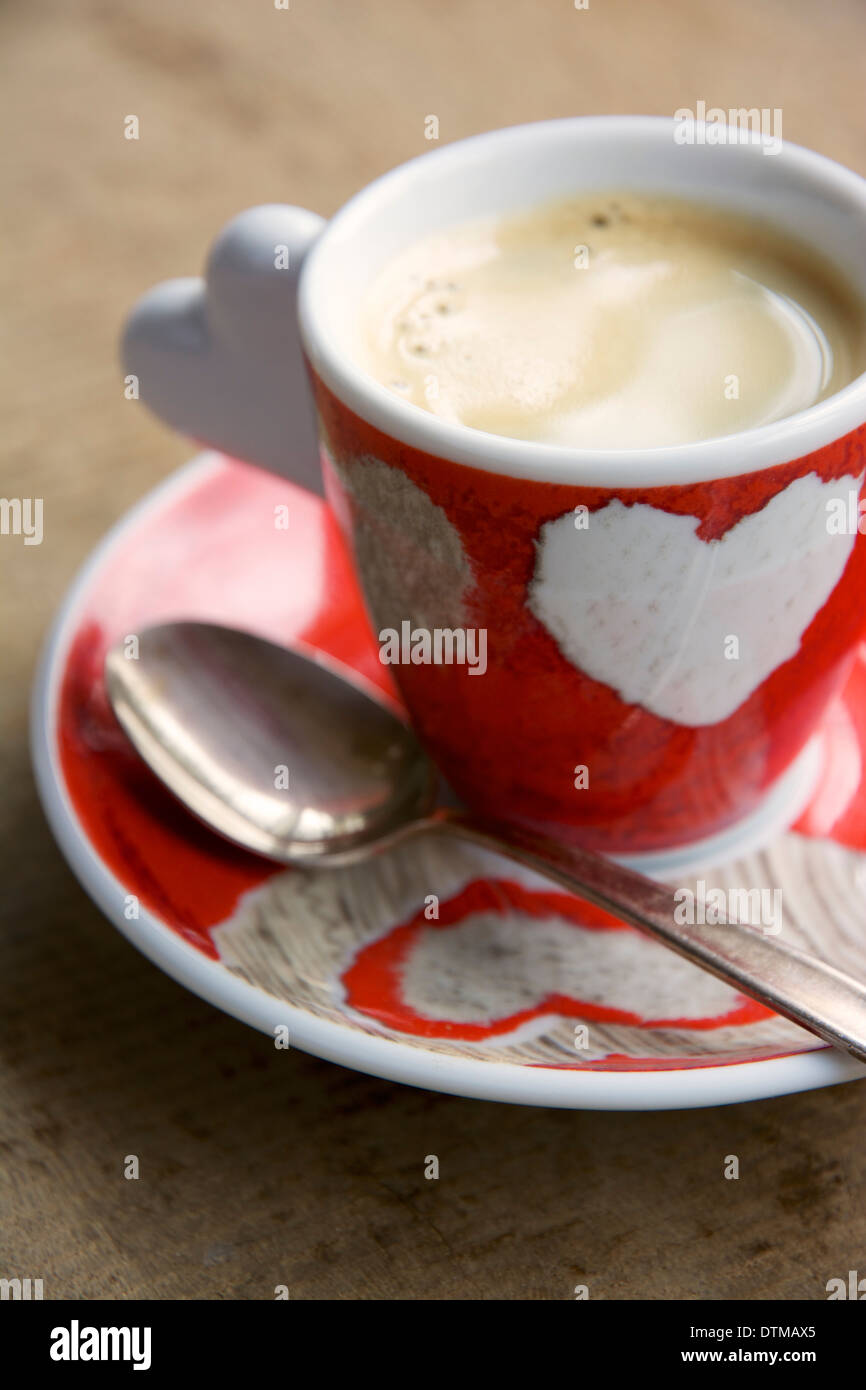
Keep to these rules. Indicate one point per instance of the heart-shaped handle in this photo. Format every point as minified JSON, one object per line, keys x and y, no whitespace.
{"x":220,"y":359}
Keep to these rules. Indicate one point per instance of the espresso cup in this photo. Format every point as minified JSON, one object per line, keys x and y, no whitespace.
{"x":630,"y":649}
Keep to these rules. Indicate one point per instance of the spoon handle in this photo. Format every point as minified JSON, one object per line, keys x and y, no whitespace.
{"x":807,"y":990}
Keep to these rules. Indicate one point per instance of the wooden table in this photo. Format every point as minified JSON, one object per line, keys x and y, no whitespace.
{"x":255,"y":1173}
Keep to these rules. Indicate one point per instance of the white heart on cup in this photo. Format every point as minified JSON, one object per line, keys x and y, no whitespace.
{"x":638,"y":601}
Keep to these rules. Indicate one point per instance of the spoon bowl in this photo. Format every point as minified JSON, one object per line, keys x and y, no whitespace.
{"x":234,"y":726}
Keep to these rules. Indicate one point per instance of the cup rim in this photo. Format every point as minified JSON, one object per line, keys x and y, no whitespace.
{"x":746,"y":451}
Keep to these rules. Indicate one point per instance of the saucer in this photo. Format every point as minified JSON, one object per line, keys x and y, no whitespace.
{"x":436,"y":964}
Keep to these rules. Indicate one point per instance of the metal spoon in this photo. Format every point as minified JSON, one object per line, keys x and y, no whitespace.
{"x":286,"y":756}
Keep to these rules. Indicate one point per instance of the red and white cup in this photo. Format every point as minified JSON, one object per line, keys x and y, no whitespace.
{"x":663,"y":627}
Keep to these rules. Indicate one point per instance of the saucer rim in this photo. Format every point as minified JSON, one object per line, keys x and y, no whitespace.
{"x":690,"y":1087}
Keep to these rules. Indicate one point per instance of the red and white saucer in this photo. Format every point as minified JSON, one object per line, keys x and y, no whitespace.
{"x":516,"y":992}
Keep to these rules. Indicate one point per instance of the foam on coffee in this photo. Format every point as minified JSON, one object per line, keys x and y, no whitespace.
{"x":612,"y":321}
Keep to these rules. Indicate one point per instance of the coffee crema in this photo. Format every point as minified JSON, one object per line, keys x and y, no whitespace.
{"x":612,"y":321}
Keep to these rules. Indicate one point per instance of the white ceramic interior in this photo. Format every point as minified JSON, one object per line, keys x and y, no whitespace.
{"x":803,"y":193}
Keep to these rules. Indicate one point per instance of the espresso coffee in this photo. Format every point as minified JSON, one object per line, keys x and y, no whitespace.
{"x":612,"y":321}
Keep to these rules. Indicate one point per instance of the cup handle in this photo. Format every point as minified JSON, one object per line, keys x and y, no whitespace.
{"x":220,"y":358}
